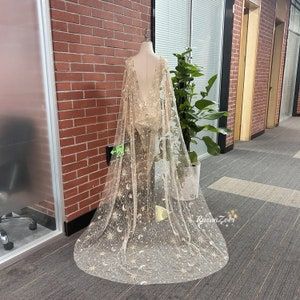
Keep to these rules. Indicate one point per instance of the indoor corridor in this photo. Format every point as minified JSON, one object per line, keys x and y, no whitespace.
{"x":257,"y":185}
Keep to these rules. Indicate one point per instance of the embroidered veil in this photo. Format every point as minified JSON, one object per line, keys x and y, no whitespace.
{"x":146,"y":229}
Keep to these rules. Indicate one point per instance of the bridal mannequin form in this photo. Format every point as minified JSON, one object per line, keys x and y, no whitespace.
{"x":146,"y":230}
{"x":145,"y":63}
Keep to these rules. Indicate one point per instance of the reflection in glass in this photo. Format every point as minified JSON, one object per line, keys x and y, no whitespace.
{"x":26,"y":199}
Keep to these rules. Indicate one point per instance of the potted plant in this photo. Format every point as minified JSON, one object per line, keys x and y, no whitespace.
{"x":194,"y":107}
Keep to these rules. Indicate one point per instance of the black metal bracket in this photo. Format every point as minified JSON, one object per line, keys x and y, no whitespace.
{"x":108,"y":154}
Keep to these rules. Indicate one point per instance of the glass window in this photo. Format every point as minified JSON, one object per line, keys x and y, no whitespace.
{"x":290,"y":71}
{"x":27,"y":207}
{"x":199,"y":24}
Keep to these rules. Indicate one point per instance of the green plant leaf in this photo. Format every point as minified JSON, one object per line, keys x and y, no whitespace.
{"x":212,"y":147}
{"x":185,"y":91}
{"x":192,"y":115}
{"x":211,"y":82}
{"x":118,"y":150}
{"x":203,"y":103}
{"x":184,"y":105}
{"x":215,"y":115}
{"x":193,"y":157}
{"x":194,"y":127}
{"x":214,"y":129}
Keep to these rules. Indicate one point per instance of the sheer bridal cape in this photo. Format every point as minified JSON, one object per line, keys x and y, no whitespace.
{"x":146,"y":229}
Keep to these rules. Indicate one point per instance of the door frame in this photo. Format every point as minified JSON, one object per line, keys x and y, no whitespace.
{"x":241,"y":75}
{"x":281,"y":12}
{"x":274,"y":79}
{"x":225,"y":71}
{"x":248,"y":80}
{"x":297,"y":90}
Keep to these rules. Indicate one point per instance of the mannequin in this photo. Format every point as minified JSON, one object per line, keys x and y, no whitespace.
{"x":145,"y":63}
{"x":143,"y":231}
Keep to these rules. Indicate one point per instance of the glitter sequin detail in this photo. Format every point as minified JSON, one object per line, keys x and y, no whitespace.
{"x":126,"y":240}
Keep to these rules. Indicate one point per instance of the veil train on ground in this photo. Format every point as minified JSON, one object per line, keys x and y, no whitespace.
{"x":146,"y":229}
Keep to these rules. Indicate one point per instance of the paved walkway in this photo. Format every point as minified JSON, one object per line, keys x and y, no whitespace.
{"x":260,"y":180}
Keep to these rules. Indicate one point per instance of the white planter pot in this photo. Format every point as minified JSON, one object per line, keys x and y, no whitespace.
{"x":188,"y":189}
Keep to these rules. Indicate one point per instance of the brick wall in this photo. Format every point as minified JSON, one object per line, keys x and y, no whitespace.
{"x":298,"y":103}
{"x":263,"y":67}
{"x":91,"y":39}
{"x":234,"y":68}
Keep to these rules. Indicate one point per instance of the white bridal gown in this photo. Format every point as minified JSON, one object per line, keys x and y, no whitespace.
{"x":146,"y":229}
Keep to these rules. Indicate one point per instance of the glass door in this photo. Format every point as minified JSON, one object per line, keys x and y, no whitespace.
{"x":207,"y":45}
{"x":29,"y":193}
{"x":292,"y":56}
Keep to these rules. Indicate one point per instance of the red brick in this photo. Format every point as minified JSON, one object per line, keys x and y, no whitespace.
{"x":91,"y":3}
{"x":87,"y":170}
{"x":78,"y":9}
{"x":93,"y":77}
{"x":72,"y":132}
{"x":95,"y":59}
{"x":75,"y":48}
{"x":62,"y":67}
{"x":95,"y":111}
{"x":66,"y":37}
{"x":71,"y":208}
{"x":88,"y":201}
{"x":84,"y":103}
{"x":76,"y":28}
{"x":64,"y":16}
{"x":69,"y":176}
{"x":59,"y":26}
{"x":65,"y":105}
{"x":63,"y":86}
{"x":74,"y":166}
{"x":76,"y":214}
{"x":86,"y":154}
{"x":69,"y":95}
{"x":60,"y":46}
{"x":82,"y":67}
{"x":86,"y":138}
{"x":58,"y":4}
{"x":71,"y":192}
{"x":90,"y":21}
{"x":96,"y":127}
{"x":85,"y":85}
{"x":67,"y":159}
{"x":85,"y":121}
{"x":72,"y":150}
{"x":67,"y":57}
{"x":94,"y":94}
{"x":68,"y":76}
{"x":75,"y":182}
{"x":113,"y":25}
{"x":76,"y":199}
{"x":104,"y":51}
{"x":91,"y":40}
{"x":87,"y":186}
{"x":63,"y":124}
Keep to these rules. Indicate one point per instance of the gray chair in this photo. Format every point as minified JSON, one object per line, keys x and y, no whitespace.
{"x":16,"y":136}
